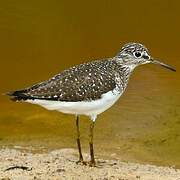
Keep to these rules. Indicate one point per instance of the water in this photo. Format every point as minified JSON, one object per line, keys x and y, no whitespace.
{"x":39,"y":39}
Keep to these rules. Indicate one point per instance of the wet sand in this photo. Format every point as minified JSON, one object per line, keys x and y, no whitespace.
{"x":61,"y":164}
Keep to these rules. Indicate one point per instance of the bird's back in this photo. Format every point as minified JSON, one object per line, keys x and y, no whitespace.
{"x":83,"y":82}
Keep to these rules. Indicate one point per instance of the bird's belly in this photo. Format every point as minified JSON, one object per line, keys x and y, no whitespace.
{"x":88,"y":108}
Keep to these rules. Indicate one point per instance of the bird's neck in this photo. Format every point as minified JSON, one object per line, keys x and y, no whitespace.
{"x":124,"y":73}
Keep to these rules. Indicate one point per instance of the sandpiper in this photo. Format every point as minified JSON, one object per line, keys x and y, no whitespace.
{"x":88,"y":89}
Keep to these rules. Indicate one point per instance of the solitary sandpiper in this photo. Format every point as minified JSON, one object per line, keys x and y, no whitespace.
{"x":88,"y":89}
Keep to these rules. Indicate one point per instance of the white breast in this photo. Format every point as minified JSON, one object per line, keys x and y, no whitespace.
{"x":89,"y":108}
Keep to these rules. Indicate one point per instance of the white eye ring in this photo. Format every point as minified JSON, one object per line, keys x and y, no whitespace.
{"x":137,"y":54}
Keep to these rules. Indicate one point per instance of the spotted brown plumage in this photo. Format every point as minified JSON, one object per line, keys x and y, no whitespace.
{"x":83,"y":82}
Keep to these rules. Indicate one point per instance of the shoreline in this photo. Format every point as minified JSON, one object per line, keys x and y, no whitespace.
{"x":61,"y":164}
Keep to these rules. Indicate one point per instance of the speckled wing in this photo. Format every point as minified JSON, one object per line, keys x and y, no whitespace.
{"x":84,"y":82}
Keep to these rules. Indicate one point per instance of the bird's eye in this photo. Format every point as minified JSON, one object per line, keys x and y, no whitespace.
{"x":137,"y":54}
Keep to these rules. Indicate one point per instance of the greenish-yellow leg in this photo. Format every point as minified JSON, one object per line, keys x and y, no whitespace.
{"x":92,"y":161}
{"x":78,"y":141}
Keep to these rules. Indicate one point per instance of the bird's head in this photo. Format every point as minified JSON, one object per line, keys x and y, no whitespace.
{"x":133,"y":54}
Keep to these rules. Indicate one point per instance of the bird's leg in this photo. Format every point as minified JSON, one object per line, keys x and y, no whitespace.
{"x":92,"y":161}
{"x":78,"y":141}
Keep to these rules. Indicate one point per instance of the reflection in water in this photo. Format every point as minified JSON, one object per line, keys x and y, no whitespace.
{"x":39,"y":39}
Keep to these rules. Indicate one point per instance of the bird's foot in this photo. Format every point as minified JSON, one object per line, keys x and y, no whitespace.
{"x":81,"y":162}
{"x":92,"y":163}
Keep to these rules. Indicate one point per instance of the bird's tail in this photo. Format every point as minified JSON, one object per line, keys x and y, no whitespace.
{"x":19,"y":95}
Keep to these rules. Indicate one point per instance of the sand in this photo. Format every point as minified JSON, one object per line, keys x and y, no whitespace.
{"x":61,"y":165}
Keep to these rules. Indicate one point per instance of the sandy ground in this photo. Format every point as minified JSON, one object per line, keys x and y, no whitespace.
{"x":60,"y":164}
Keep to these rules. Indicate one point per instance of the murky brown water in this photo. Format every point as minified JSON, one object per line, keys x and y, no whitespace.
{"x":40,"y":38}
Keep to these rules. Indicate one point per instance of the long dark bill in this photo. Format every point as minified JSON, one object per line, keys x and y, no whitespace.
{"x":162,"y":64}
